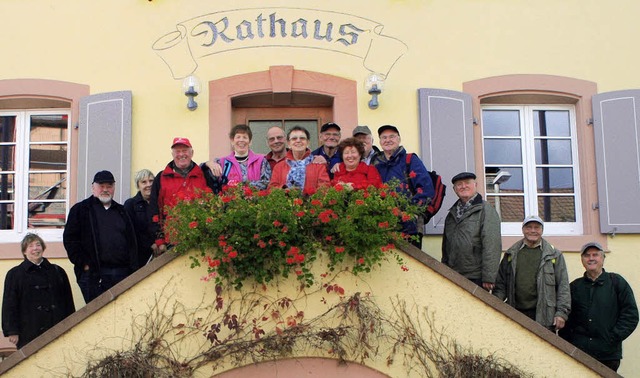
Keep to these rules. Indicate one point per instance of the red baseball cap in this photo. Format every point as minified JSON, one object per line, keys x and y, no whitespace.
{"x":181,"y":140}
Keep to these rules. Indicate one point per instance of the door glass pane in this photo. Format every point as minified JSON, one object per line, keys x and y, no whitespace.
{"x":554,"y":180}
{"x":311,"y":125}
{"x":557,"y":209}
{"x":259,"y":129}
{"x":501,"y":123}
{"x":502,"y":151}
{"x":553,"y":151}
{"x":551,"y":123}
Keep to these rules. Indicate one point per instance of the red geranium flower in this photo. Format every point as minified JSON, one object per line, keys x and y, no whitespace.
{"x":193,"y":224}
{"x":412,"y":174}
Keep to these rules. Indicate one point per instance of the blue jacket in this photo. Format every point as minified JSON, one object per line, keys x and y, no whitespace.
{"x":396,"y":168}
{"x":331,"y":161}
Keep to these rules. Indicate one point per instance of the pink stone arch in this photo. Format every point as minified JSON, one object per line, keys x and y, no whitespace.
{"x":303,"y":367}
{"x":277,"y":80}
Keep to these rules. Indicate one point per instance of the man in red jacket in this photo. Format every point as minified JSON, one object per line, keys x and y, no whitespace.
{"x":182,"y":178}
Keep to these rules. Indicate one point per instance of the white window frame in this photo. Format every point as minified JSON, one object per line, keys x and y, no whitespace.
{"x":21,"y":178}
{"x":528,"y":138}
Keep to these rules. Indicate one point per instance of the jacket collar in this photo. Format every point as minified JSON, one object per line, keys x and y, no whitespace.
{"x":396,"y":154}
{"x":27,"y":265}
{"x":290,"y":154}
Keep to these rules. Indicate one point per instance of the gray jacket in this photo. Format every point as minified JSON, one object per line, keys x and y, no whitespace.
{"x":472,"y":244}
{"x":552,"y":281}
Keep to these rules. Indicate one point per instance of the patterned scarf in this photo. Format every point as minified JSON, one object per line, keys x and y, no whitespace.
{"x":296,"y":176}
{"x":462,"y":208}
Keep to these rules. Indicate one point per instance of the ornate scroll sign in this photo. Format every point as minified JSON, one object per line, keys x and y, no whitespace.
{"x":224,"y":31}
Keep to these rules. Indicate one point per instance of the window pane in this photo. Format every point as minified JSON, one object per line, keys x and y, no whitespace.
{"x":551,"y":123}
{"x":48,"y":128}
{"x":47,"y":214}
{"x":7,"y":157}
{"x":510,"y":180}
{"x":6,"y":216}
{"x":553,"y":151}
{"x":510,"y":208}
{"x":7,"y":129}
{"x":501,"y":123}
{"x":555,"y":180}
{"x":45,"y":157}
{"x":7,"y":195}
{"x":7,"y":188}
{"x":47,"y":186}
{"x":502,"y":151}
{"x":557,"y":209}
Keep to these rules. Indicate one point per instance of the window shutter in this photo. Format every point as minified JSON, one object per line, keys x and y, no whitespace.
{"x":446,"y":142}
{"x":105,"y":141}
{"x":616,"y":123}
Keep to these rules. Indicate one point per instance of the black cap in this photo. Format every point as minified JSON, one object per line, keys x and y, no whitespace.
{"x":381,"y":129}
{"x":463,"y":176}
{"x":103,"y":176}
{"x":329,"y":125}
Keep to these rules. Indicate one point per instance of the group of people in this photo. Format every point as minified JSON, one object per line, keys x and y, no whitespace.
{"x":107,"y":241}
{"x":595,"y":312}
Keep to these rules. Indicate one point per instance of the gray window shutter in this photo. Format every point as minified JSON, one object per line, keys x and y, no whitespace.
{"x":104,"y":141}
{"x":446,"y":142}
{"x":616,"y":125}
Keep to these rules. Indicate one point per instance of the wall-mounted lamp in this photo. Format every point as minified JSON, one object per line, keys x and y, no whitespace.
{"x":374,"y":85}
{"x":191,"y":88}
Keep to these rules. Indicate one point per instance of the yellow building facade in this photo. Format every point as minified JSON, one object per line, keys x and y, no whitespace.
{"x":539,"y":90}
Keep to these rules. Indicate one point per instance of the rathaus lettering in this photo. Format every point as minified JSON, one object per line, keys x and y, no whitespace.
{"x":275,"y":27}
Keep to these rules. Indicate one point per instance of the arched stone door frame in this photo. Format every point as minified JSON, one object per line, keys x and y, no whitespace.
{"x":280,"y":81}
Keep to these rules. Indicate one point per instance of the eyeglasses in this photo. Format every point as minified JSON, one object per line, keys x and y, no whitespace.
{"x":294,"y":138}
{"x":389,"y":137}
{"x":281,"y":137}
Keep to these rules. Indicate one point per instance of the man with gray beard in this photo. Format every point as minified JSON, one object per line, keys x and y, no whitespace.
{"x":100,"y":239}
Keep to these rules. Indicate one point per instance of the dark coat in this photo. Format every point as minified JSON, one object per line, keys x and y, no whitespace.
{"x":603,"y":314}
{"x":472,"y":244}
{"x":140,"y":213}
{"x":35,"y":299}
{"x":81,"y":239}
